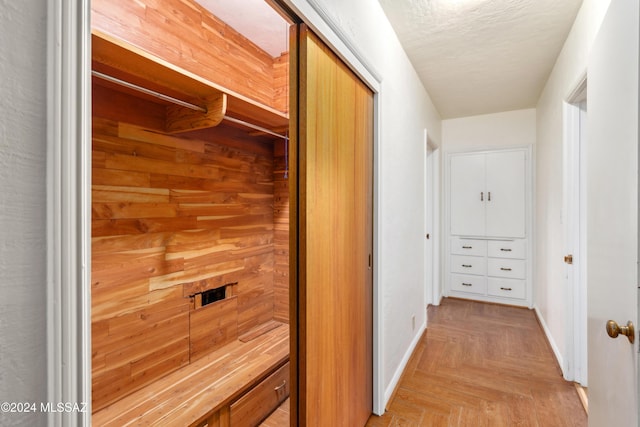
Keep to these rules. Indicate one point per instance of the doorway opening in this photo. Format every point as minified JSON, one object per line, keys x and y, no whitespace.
{"x":433,"y":291}
{"x":575,"y":223}
{"x":190,"y":209}
{"x":70,"y":316}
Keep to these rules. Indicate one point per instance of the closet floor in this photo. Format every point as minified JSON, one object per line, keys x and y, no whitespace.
{"x":279,"y":418}
{"x":482,"y":365}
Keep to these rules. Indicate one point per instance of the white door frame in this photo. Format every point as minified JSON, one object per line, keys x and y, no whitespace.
{"x":433,"y":287}
{"x":68,"y":209}
{"x":69,"y":197}
{"x":437,"y":226}
{"x":574,"y":221}
{"x":429,"y":248}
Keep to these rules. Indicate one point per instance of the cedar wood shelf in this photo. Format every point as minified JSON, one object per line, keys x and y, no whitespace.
{"x":119,"y":59}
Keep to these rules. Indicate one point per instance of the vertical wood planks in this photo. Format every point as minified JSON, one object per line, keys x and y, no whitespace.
{"x":335,"y":224}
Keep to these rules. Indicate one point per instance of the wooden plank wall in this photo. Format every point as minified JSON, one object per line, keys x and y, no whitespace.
{"x":281,"y":233}
{"x":172,"y":216}
{"x":281,"y":83}
{"x":183,"y":33}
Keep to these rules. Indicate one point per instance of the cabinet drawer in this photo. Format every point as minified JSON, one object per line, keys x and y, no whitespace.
{"x":509,"y":268}
{"x":261,"y":400}
{"x":507,"y":249}
{"x":469,"y":247}
{"x":471,"y":284}
{"x":468,"y":264}
{"x":509,"y":288}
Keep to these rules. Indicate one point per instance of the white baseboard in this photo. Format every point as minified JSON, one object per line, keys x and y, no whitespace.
{"x":551,"y":341}
{"x":403,"y":364}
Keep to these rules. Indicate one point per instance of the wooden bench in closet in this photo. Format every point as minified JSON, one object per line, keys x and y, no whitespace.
{"x":238,"y":385}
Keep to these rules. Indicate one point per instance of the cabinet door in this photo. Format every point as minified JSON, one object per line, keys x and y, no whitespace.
{"x":468,"y":195}
{"x":505,"y":194}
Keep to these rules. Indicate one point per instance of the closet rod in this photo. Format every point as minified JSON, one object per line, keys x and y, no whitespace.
{"x":255,"y":127}
{"x":181,"y":102}
{"x":147,"y":91}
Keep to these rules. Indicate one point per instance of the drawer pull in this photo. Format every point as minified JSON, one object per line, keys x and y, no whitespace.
{"x":467,"y":265}
{"x":467,"y":247}
{"x":281,"y":387}
{"x":466,"y":284}
{"x":505,"y":269}
{"x":505,"y":250}
{"x":506,"y":289}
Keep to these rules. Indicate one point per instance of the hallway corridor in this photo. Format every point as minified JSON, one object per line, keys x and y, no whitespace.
{"x":482,"y":365}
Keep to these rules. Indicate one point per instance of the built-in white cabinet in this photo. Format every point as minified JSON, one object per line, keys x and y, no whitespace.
{"x":488,"y":226}
{"x":488,"y":194}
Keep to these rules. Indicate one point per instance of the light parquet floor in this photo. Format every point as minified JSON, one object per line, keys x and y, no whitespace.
{"x":482,"y":365}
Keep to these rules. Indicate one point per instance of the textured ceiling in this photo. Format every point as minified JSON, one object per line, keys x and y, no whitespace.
{"x":482,"y":56}
{"x":254,"y":19}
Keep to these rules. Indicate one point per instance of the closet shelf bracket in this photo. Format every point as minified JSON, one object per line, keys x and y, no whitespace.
{"x":182,"y":119}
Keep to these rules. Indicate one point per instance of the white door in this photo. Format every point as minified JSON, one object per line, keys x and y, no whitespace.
{"x":574,"y":219}
{"x":429,"y":228}
{"x":612,"y":215}
{"x":506,"y":191}
{"x":468,"y":194}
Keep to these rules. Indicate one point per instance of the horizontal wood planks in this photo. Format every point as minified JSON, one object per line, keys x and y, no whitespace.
{"x":212,"y":327}
{"x":197,"y":392}
{"x":173,"y":216}
{"x":281,"y":83}
{"x":184,"y":33}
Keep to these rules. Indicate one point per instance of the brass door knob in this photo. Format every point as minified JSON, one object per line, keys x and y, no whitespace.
{"x":613,"y":329}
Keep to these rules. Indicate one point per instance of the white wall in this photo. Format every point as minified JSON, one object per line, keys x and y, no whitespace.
{"x":23,"y":208}
{"x":549,"y":282}
{"x":406,"y":110}
{"x":489,"y":131}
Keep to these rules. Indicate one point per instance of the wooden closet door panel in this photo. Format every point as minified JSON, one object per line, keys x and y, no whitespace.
{"x":334,"y":330}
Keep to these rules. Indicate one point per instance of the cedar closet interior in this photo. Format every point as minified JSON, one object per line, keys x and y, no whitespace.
{"x":190,"y":214}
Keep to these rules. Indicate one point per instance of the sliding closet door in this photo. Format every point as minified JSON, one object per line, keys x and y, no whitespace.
{"x":334,"y":241}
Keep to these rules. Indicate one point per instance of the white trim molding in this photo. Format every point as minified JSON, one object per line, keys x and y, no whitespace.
{"x":344,"y":37}
{"x":550,"y":340}
{"x":379,"y":402}
{"x":324,"y":26}
{"x":397,"y":376}
{"x":68,"y":210}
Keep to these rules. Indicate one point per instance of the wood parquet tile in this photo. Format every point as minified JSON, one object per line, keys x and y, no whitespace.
{"x":482,"y":365}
